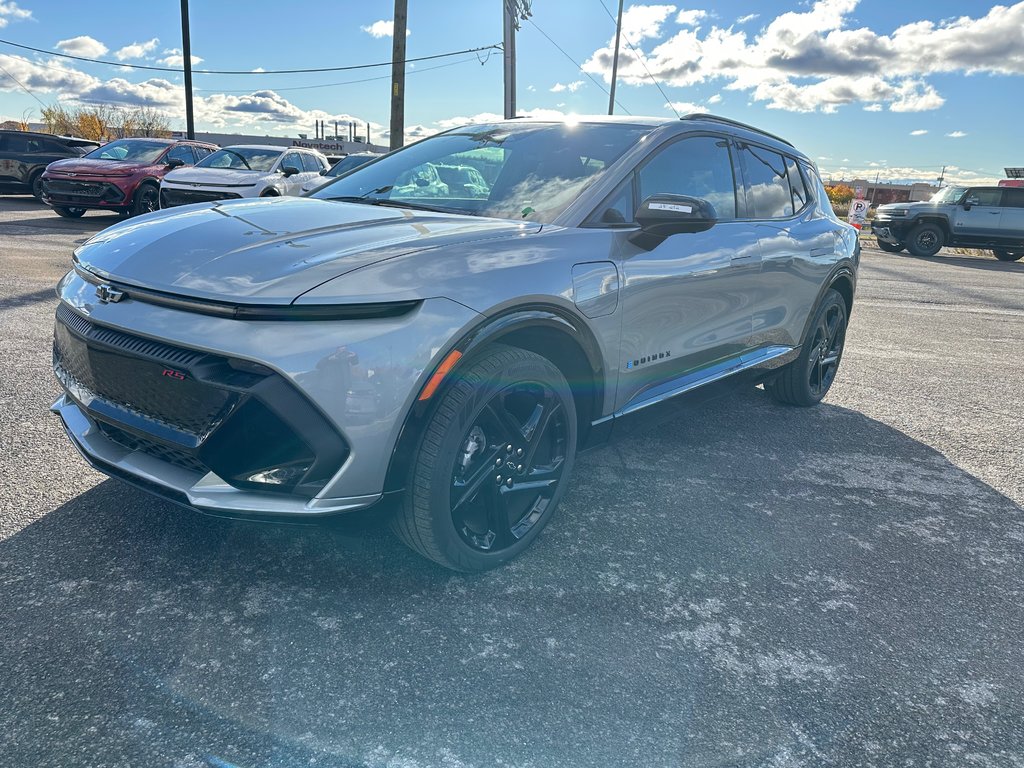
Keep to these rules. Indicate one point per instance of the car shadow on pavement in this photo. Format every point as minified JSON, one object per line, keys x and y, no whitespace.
{"x":748,"y":585}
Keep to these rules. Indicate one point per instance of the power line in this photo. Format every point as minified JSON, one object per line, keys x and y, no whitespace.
{"x":579,"y":67}
{"x":495,"y":46}
{"x":349,"y":82}
{"x":23,"y":87}
{"x":641,"y":57}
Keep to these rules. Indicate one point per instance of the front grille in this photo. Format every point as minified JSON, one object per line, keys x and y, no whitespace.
{"x":136,"y":374}
{"x":152,"y":448}
{"x":82,"y":190}
{"x":172,"y":197}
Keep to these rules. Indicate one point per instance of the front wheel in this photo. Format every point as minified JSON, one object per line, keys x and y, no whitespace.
{"x":1003,"y":255}
{"x":69,"y":213}
{"x":926,"y":239}
{"x":493,"y":463}
{"x":807,"y":379}
{"x":37,"y":186}
{"x":147,"y":200}
{"x":890,"y":247}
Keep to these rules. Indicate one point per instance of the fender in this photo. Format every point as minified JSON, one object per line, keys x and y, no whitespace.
{"x":844,"y":269}
{"x":490,"y":330}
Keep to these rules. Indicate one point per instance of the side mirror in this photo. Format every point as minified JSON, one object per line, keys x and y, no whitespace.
{"x":421,"y":182}
{"x":661,"y":216}
{"x":175,"y":162}
{"x":968,"y":202}
{"x":324,"y":171}
{"x":289,"y":170}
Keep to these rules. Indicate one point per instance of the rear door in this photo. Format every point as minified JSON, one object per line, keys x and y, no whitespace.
{"x":799,"y":245}
{"x":293,"y":184}
{"x":13,"y":157}
{"x":978,"y":216}
{"x":1011,"y":223}
{"x":686,"y":305}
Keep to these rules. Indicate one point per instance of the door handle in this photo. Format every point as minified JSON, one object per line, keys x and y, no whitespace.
{"x":822,"y":251}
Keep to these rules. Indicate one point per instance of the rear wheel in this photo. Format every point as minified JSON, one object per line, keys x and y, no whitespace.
{"x":807,"y":379}
{"x":1003,"y":255}
{"x":69,"y":213}
{"x":493,"y":463}
{"x":926,"y":239}
{"x":147,"y":199}
{"x":890,"y":247}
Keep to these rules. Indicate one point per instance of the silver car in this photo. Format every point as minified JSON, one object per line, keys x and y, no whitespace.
{"x":443,"y":357}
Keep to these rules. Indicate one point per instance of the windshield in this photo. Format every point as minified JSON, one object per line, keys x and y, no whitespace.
{"x":948,"y":195}
{"x":518,"y":171}
{"x":242,"y":159}
{"x":130,"y":150}
{"x":347,"y":164}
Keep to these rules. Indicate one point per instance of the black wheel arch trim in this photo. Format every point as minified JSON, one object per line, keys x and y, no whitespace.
{"x":843,"y":271}
{"x":491,"y":329}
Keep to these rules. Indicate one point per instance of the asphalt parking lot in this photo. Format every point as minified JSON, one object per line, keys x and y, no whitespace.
{"x":749,"y":585}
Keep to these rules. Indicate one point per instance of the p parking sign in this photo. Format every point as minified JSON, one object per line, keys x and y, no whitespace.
{"x":858,"y":215}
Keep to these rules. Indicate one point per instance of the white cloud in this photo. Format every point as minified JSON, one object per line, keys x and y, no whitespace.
{"x":572,"y":87}
{"x":815,"y":59}
{"x":137,"y":50}
{"x":904,"y":174}
{"x":918,"y":132}
{"x":492,"y":117}
{"x":685,"y":107}
{"x":715,"y":99}
{"x":174,"y":58}
{"x":747,"y":18}
{"x":644,"y":21}
{"x":83,"y":45}
{"x":383,"y":28}
{"x":690,"y":18}
{"x":955,"y":135}
{"x":873,"y":108}
{"x":531,"y":88}
{"x":10,"y":11}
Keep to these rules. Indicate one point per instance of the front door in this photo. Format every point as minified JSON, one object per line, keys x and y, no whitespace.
{"x":978,"y":215}
{"x":686,"y":308}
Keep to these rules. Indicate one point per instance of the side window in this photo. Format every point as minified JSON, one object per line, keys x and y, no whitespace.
{"x":698,"y":167}
{"x":16,"y":144}
{"x":797,"y":188}
{"x":182,"y":152}
{"x":311,"y":163}
{"x":984,"y":196}
{"x":818,"y":188}
{"x":768,"y":192}
{"x":292,"y":159}
{"x":1013,"y":197}
{"x":618,"y":208}
{"x":202,"y":152}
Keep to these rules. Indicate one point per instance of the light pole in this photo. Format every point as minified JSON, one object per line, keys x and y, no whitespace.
{"x":186,"y":55}
{"x":615,"y":61}
{"x":397,"y":76}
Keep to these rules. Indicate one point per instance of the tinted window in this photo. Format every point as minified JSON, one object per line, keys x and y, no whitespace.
{"x":311,"y":163}
{"x":348,"y":163}
{"x":292,"y":159}
{"x":242,"y":159}
{"x":182,"y":152}
{"x":797,"y":188}
{"x":984,"y":196}
{"x":818,"y":189}
{"x":698,"y":167}
{"x":1013,"y":198}
{"x":619,"y":208}
{"x":768,"y":192}
{"x":202,"y":152}
{"x":15,"y":143}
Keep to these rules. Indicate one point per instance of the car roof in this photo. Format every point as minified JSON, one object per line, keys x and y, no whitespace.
{"x":271,"y":147}
{"x":43,"y":134}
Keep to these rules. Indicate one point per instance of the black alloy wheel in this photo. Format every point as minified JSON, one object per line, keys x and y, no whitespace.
{"x":1004,"y":255}
{"x":806,"y":380}
{"x":493,"y":462}
{"x":147,"y":200}
{"x":926,"y":239}
{"x":890,"y":247}
{"x":37,"y":186}
{"x":69,"y":213}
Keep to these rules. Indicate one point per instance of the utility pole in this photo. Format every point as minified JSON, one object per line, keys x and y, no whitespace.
{"x":615,"y":61}
{"x":509,"y":55}
{"x":874,"y":189}
{"x":186,"y":55}
{"x":942,"y":177}
{"x":397,"y":76}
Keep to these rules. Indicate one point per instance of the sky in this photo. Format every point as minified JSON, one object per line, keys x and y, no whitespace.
{"x":896,"y":89}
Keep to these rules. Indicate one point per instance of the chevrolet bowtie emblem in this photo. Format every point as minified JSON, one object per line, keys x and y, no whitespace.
{"x":107,"y":294}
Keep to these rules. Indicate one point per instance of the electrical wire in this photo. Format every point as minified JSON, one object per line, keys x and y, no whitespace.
{"x":642,"y":58}
{"x":496,"y":46}
{"x":579,"y":67}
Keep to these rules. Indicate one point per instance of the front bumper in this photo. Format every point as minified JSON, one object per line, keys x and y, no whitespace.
{"x":890,"y":230}
{"x":98,"y":193}
{"x":171,"y":197}
{"x":130,"y":413}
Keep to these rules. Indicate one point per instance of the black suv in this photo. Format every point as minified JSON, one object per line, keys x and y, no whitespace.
{"x":24,"y":156}
{"x":968,"y":217}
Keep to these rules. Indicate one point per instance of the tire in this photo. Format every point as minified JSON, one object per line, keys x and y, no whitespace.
{"x":146,"y":200}
{"x":807,"y":379}
{"x":1003,"y":255}
{"x":69,"y":213}
{"x":36,"y":185}
{"x":889,"y":247}
{"x":270,"y":193}
{"x":926,"y":239}
{"x":508,"y":414}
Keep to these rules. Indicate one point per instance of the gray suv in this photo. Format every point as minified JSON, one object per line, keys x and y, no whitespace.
{"x":969,"y":217}
{"x":442,"y":354}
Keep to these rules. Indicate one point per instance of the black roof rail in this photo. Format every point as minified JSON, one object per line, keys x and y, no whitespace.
{"x":735,"y":123}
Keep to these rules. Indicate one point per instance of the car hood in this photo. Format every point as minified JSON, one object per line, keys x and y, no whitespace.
{"x":918,"y":206}
{"x":218,"y":176}
{"x":87,"y":167}
{"x":271,"y":251}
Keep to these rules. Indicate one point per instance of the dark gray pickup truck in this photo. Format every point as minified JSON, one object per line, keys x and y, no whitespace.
{"x":969,"y":217}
